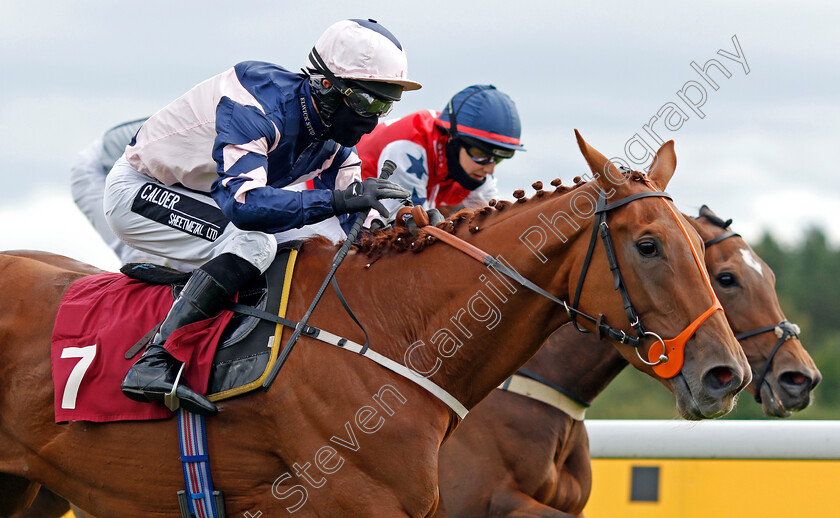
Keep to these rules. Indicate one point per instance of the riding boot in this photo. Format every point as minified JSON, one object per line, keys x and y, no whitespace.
{"x":153,"y":376}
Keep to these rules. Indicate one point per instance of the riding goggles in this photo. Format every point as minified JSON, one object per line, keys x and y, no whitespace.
{"x":365,"y":104}
{"x":486,"y":156}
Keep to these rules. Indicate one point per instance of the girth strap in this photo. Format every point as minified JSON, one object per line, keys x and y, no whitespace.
{"x":199,"y":499}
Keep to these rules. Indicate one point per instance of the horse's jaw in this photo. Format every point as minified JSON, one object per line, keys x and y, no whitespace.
{"x":693,"y":405}
{"x":772,"y":405}
{"x":779,"y":399}
{"x":700,"y":396}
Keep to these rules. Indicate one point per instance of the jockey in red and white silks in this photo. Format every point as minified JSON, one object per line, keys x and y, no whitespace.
{"x":442,"y":166}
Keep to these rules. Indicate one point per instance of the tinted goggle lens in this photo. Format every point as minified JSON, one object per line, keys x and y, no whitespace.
{"x":485,"y":156}
{"x":367,"y":105}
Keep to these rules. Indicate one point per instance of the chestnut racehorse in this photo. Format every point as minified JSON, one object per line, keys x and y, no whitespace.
{"x":515,"y":456}
{"x":374,"y":436}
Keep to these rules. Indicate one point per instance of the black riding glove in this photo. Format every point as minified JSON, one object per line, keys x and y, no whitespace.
{"x":365,"y":195}
{"x":435,"y":217}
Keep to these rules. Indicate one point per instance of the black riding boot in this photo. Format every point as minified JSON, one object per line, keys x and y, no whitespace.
{"x":153,"y":376}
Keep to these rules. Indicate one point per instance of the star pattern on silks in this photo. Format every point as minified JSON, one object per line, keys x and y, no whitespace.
{"x":416,"y":200}
{"x":416,"y":168}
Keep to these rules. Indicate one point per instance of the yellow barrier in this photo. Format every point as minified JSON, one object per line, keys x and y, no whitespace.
{"x":701,"y":488}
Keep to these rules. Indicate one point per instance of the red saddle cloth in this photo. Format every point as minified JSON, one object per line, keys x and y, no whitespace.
{"x":100,"y":318}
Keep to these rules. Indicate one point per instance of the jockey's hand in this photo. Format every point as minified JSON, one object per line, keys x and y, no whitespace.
{"x":435,"y":217}
{"x":359,"y":196}
{"x":378,"y":223}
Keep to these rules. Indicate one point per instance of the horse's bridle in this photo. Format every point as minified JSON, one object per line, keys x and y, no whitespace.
{"x":784,"y":330}
{"x":666,"y":363}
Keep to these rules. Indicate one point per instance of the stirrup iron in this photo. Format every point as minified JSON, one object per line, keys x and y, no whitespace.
{"x":172,"y":401}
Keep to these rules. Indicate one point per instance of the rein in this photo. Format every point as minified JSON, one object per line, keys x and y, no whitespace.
{"x":784,"y":330}
{"x":387,"y":170}
{"x":666,"y":363}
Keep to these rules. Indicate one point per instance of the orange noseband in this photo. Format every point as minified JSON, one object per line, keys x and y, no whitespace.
{"x":668,"y":356}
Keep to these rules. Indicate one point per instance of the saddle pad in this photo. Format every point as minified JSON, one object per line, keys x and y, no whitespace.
{"x":101,"y":317}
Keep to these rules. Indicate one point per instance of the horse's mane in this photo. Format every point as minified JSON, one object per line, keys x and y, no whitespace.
{"x":378,"y":242}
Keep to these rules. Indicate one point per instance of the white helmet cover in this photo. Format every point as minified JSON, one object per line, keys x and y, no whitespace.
{"x":363,"y":50}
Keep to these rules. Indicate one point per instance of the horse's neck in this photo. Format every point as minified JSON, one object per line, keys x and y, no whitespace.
{"x":580,"y":363}
{"x":467,"y":327}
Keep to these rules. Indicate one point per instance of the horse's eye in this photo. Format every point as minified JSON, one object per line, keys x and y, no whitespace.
{"x":647,"y":248}
{"x":726,"y":279}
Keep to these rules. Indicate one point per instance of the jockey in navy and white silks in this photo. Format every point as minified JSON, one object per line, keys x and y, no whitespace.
{"x":222,"y":138}
{"x":202,"y":182}
{"x":447,"y":160}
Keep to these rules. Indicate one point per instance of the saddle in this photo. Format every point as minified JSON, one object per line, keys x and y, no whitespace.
{"x":246,"y":349}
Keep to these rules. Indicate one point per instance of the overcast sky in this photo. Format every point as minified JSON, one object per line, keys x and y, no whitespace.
{"x":762,"y":153}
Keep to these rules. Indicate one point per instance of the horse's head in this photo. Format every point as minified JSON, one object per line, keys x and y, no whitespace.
{"x":660,"y":259}
{"x":783,"y":372}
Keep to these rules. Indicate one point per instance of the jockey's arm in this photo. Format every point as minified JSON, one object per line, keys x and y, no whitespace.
{"x":338,"y":177}
{"x":243,"y":140}
{"x":412,"y":171}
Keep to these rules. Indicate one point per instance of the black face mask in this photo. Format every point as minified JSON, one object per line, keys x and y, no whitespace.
{"x":348,"y":126}
{"x":456,"y":172}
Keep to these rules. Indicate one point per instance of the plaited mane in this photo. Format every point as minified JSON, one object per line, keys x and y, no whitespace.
{"x":378,"y":242}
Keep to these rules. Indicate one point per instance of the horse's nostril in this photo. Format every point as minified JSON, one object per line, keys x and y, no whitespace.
{"x":719,"y":378}
{"x":796,"y":382}
{"x":793,"y":378}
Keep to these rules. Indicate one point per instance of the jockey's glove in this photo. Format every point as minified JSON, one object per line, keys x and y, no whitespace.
{"x":435,"y":217}
{"x":360,"y":196}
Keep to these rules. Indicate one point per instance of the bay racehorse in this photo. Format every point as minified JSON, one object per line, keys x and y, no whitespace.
{"x":372,"y":435}
{"x":516,"y":456}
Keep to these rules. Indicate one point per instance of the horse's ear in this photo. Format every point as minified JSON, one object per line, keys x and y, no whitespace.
{"x":598,"y":164}
{"x":663,"y":166}
{"x":705,"y":211}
